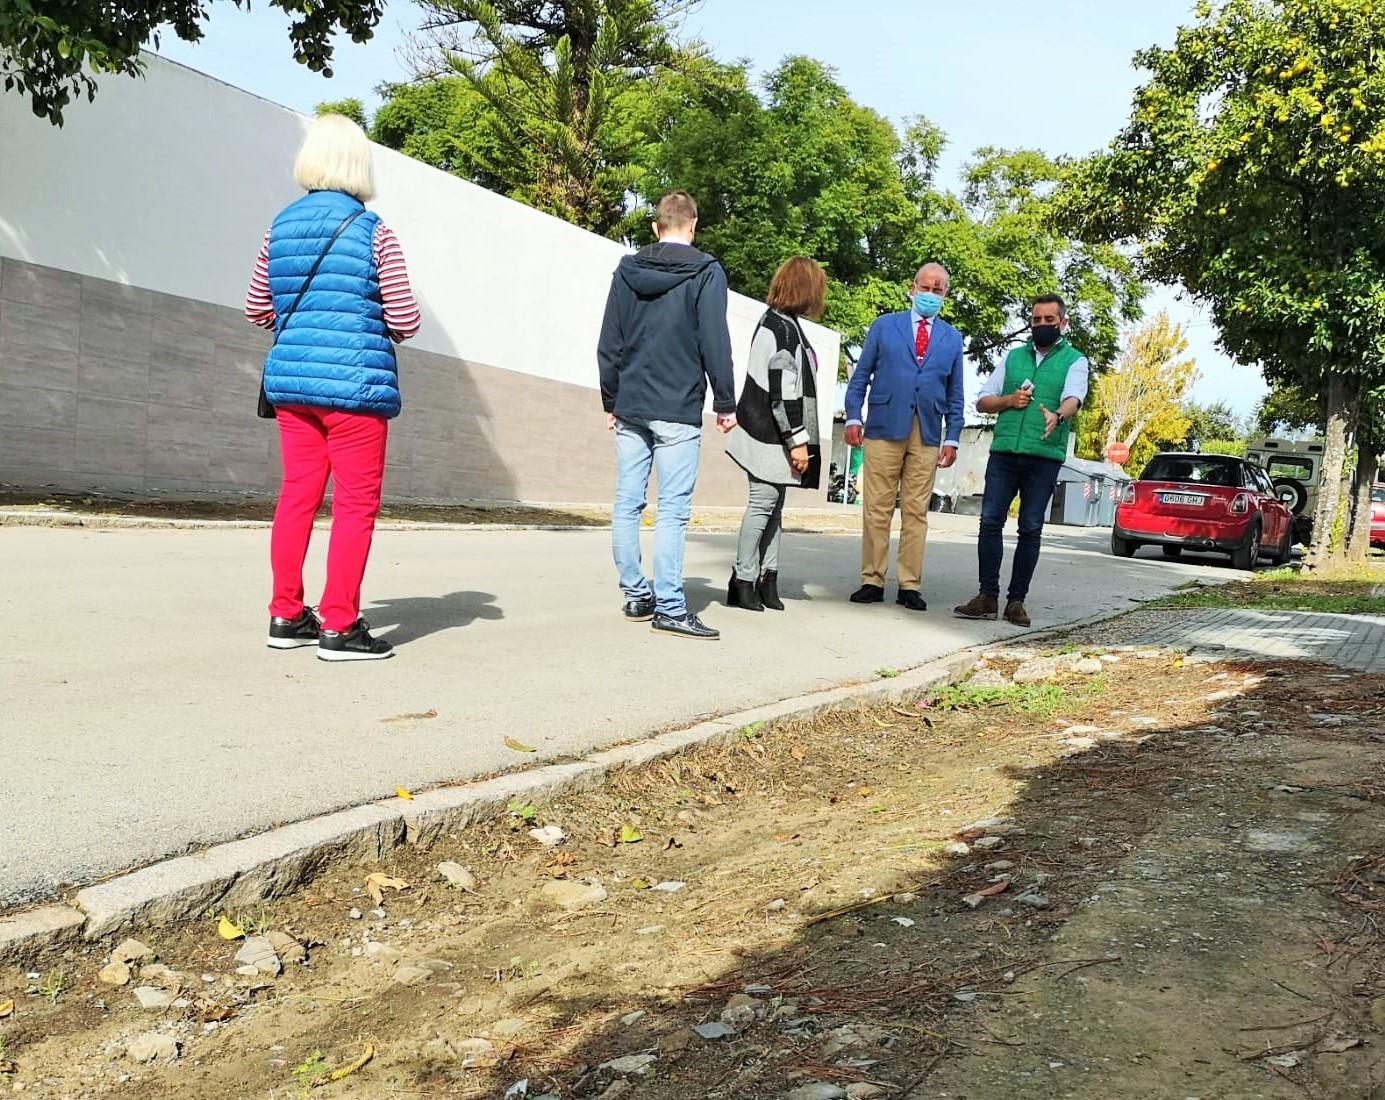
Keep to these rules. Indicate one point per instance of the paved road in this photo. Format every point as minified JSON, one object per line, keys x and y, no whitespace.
{"x":141,"y":715}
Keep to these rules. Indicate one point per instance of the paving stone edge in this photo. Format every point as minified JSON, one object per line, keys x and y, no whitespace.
{"x":241,"y":873}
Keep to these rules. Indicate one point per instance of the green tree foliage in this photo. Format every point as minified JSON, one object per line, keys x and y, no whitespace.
{"x":50,"y":49}
{"x":1252,"y":171}
{"x":353,"y":109}
{"x":1289,"y":409}
{"x":1209,"y":422}
{"x":565,"y":87}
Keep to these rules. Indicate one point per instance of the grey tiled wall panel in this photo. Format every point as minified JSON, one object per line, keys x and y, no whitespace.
{"x":109,"y":388}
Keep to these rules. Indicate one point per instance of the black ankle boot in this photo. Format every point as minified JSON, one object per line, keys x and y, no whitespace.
{"x":769,"y":590}
{"x":741,"y":593}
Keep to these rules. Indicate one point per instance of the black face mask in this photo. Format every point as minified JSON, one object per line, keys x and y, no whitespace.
{"x":1045,"y":336}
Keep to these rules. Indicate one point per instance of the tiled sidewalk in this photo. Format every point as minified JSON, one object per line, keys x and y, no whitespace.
{"x":1351,"y":641}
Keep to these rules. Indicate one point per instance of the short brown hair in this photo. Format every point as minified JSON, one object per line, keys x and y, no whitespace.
{"x":799,"y":287}
{"x":675,"y":211}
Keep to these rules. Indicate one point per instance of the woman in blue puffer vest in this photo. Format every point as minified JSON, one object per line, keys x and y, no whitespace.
{"x":330,"y":282}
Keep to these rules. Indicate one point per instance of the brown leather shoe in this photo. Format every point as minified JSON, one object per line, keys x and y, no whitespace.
{"x":978,"y":607}
{"x":1016,"y":614}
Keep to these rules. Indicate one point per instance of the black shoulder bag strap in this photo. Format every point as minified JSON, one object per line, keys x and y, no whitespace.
{"x":266,"y":410}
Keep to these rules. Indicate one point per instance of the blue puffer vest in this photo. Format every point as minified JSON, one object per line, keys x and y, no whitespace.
{"x":335,"y":352}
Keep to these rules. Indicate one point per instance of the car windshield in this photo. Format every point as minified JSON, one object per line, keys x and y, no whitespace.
{"x":1194,"y":469}
{"x":1378,"y":494}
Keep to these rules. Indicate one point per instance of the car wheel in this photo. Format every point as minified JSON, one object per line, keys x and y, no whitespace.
{"x":1123,"y":548}
{"x":1173,"y":553}
{"x":1248,"y":556}
{"x":1291,"y":494}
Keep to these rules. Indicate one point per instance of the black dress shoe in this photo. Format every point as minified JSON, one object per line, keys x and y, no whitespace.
{"x":639,"y":611}
{"x":684,"y":626}
{"x":911,"y":599}
{"x":868,"y":593}
{"x":769,"y":590}
{"x":741,"y":593}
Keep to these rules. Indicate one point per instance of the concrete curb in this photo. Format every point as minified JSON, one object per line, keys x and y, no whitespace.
{"x":98,"y":522}
{"x":242,"y":873}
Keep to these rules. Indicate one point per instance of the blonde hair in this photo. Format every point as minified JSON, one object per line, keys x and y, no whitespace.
{"x":335,"y":156}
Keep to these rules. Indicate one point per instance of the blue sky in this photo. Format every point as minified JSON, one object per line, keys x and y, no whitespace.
{"x":1056,"y":76}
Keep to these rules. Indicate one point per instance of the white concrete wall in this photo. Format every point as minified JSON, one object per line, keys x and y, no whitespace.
{"x":168,"y":183}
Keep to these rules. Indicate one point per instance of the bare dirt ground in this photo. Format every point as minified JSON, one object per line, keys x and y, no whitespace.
{"x":1165,"y":879}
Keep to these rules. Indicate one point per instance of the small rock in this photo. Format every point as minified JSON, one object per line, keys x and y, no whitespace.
{"x":631,"y":1063}
{"x":1034,"y":901}
{"x":742,"y":1011}
{"x":550,"y":836}
{"x":904,"y":922}
{"x":152,"y":1047}
{"x":411,"y":975}
{"x":381,"y":951}
{"x":1089,"y":666}
{"x":287,"y":947}
{"x":1001,"y":865}
{"x":669,"y":887}
{"x":162,"y":975}
{"x":988,"y":843}
{"x":714,"y":1032}
{"x":864,"y":1090}
{"x":574,"y":895}
{"x":632,"y":1019}
{"x":988,"y":678}
{"x":132,"y":951}
{"x":852,"y":1036}
{"x":458,"y":876}
{"x":1088,"y":842}
{"x":508,"y":1029}
{"x":649,"y":930}
{"x":476,"y":1053}
{"x":355,"y":914}
{"x":974,"y":901}
{"x":818,"y":1090}
{"x":114,"y":974}
{"x":957,"y":848}
{"x":1037,"y":670}
{"x":776,"y":906}
{"x":676,"y":1042}
{"x":439,"y":1050}
{"x":253,"y":971}
{"x":150,"y":997}
{"x":617,"y":1089}
{"x":258,"y":952}
{"x":1110,"y":659}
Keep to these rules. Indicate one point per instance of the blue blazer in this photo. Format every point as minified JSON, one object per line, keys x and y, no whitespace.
{"x":901,"y":389}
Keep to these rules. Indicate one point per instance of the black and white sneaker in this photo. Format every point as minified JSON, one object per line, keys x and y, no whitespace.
{"x":685,"y":626}
{"x":294,"y":633}
{"x":355,"y":644}
{"x":639,"y":611}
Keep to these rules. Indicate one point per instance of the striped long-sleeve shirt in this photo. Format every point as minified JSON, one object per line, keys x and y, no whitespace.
{"x":402,"y":316}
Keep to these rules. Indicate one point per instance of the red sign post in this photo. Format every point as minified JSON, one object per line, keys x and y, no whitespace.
{"x":1118,"y":453}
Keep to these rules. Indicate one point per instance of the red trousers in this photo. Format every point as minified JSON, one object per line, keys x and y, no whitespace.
{"x":351,"y":448}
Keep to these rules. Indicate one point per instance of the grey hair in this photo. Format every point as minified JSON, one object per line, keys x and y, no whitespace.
{"x":933,"y":265}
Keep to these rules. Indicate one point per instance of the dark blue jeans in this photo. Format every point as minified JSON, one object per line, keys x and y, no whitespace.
{"x":1033,"y":479}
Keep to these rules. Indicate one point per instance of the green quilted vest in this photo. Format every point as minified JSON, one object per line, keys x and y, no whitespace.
{"x":1021,"y":431}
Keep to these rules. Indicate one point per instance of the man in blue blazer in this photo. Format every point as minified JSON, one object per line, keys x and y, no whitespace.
{"x":912,"y":367}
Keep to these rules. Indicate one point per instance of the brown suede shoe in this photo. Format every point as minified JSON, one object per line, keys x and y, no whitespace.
{"x":1016,"y":614}
{"x":978,"y":607}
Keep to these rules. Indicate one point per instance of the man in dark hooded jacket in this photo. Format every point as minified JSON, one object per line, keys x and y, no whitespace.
{"x":664,"y":337}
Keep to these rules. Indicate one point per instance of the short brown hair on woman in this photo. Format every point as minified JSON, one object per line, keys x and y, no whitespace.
{"x":799,"y":287}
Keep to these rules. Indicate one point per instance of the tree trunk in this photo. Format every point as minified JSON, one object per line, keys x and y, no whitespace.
{"x":1367,"y":470}
{"x":1341,"y":406}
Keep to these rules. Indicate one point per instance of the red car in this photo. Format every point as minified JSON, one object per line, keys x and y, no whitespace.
{"x":1200,"y":502}
{"x":1378,"y":516}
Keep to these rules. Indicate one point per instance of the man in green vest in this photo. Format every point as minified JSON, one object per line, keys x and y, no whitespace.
{"x":1034,"y":397}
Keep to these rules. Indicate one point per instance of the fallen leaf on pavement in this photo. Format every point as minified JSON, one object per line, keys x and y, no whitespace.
{"x":517,"y":746}
{"x":994,"y":889}
{"x":1338,"y":1045}
{"x":346,"y":1070}
{"x":630,"y":835}
{"x":431,"y":712}
{"x":6,"y":1008}
{"x":217,"y":1015}
{"x":866,"y":792}
{"x":377,"y":884}
{"x":227,"y":930}
{"x":798,"y":753}
{"x":403,"y":792}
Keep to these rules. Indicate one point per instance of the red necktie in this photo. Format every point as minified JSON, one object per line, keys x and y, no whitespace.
{"x":921,"y":342}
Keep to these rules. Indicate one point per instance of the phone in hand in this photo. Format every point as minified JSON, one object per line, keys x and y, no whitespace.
{"x":1027,"y":384}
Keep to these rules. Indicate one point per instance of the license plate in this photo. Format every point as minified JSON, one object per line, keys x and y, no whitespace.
{"x":1183,"y":498}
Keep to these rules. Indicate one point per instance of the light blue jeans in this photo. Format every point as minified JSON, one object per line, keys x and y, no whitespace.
{"x":673,"y":450}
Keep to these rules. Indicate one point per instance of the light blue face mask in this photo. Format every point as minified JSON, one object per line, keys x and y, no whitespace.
{"x":926,"y":304}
